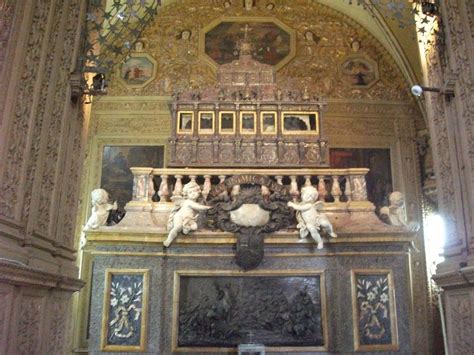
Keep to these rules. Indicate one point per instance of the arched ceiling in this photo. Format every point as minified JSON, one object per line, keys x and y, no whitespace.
{"x":401,"y":43}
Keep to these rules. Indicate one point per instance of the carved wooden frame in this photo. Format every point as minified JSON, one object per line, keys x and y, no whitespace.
{"x":105,"y":311}
{"x":275,"y":273}
{"x":241,"y":116}
{"x":206,"y":131}
{"x":393,"y":314}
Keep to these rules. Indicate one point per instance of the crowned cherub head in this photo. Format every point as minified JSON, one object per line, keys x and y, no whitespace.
{"x":309,"y":194}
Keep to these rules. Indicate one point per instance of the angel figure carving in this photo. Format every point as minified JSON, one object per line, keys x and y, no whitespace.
{"x":395,"y":214}
{"x":100,"y":209}
{"x":310,"y":220}
{"x":185,"y":212}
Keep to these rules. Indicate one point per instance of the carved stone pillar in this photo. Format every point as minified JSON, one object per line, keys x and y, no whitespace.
{"x":449,"y":64}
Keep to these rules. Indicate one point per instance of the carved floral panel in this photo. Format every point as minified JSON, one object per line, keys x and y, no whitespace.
{"x":124,"y":319}
{"x":374,"y":312}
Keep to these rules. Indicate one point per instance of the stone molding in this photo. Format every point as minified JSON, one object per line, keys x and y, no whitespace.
{"x":17,"y":274}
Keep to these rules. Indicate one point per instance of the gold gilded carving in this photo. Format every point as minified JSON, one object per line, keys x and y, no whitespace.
{"x":359,"y":127}
{"x":111,"y":124}
{"x":321,"y":41}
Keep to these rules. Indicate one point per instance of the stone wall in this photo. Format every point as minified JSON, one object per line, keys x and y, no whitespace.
{"x":41,"y":137}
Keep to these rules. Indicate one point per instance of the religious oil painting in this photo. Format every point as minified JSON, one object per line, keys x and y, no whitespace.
{"x":124,"y":318}
{"x":300,"y":123}
{"x":185,"y":122}
{"x":268,"y":122}
{"x":374,"y":311}
{"x":270,"y":43}
{"x":379,"y":177}
{"x":206,"y":122}
{"x":227,"y":122}
{"x":247,"y":123}
{"x":117,"y":179}
{"x":225,"y":310}
{"x":138,"y":70}
{"x":359,"y":72}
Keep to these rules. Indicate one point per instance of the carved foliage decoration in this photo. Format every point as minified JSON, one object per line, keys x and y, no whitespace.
{"x":29,"y":326}
{"x":7,"y":14}
{"x":257,"y":206}
{"x":15,"y":155}
{"x":43,"y":105}
{"x":58,"y":329}
{"x":124,"y":321}
{"x":374,"y":312}
{"x":461,"y":323}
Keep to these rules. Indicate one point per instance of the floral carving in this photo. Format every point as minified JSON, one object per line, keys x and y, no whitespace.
{"x":126,"y":310}
{"x":374,"y":311}
{"x":461,"y":323}
{"x":29,"y":324}
{"x":15,"y":155}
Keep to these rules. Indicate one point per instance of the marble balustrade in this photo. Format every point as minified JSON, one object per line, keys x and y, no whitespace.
{"x":334,"y":185}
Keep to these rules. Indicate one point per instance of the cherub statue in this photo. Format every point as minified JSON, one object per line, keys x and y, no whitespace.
{"x":100,"y":212}
{"x":395,"y":213}
{"x":310,"y":220}
{"x":100,"y":209}
{"x":185,"y":212}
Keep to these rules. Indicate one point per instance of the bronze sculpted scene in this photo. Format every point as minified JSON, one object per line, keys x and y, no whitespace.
{"x":224,"y":311}
{"x":269,"y":42}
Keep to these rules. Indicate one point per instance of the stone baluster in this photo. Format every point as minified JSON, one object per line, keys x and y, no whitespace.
{"x":178,"y":186}
{"x":336,"y":189}
{"x":294,"y":192}
{"x":193,"y":178}
{"x":163,"y":191}
{"x":322,"y":188}
{"x":279,"y":179}
{"x":348,"y":190}
{"x":307,"y":180}
{"x":141,"y":184}
{"x":359,"y":188}
{"x":151,"y":188}
{"x":206,"y":188}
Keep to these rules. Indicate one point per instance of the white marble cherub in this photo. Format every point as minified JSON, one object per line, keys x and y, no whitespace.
{"x":185,"y":212}
{"x":310,"y":220}
{"x":100,"y":209}
{"x":100,"y":212}
{"x":395,"y":213}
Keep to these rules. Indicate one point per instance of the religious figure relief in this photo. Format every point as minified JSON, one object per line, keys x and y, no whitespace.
{"x":395,"y":214}
{"x":185,"y":212}
{"x":277,"y":310}
{"x":310,"y":220}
